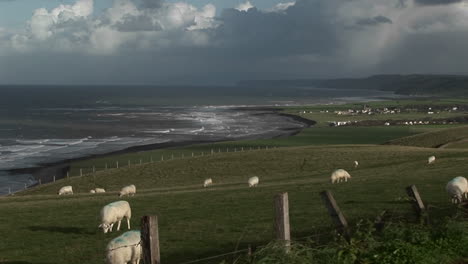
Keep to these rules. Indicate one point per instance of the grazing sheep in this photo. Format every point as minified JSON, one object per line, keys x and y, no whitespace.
{"x":99,"y":190}
{"x":128,"y":190}
{"x":457,"y":188}
{"x":356,"y":164}
{"x":340,"y":175}
{"x":92,"y":191}
{"x":65,"y":190}
{"x":431,"y":159}
{"x":253,"y":181}
{"x":125,"y":248}
{"x":207,"y":182}
{"x":115,"y":212}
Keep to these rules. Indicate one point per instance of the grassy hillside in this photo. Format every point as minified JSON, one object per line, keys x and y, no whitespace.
{"x":310,"y":136}
{"x":433,"y":139}
{"x":197,"y":222}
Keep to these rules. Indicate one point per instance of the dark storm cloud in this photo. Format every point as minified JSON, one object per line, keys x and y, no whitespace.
{"x":299,"y":29}
{"x":374,"y":21}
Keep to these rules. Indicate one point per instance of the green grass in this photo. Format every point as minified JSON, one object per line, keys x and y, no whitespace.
{"x":433,"y":139}
{"x":41,"y":227}
{"x":411,"y":110}
{"x":309,"y":136}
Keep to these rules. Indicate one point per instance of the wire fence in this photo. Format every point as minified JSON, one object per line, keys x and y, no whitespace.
{"x":74,"y":172}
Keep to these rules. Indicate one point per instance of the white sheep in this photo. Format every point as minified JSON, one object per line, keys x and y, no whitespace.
{"x":128,"y":190}
{"x":457,"y":188}
{"x":356,"y":164}
{"x":125,"y":248}
{"x":339,"y":175}
{"x":100,"y":190}
{"x":115,"y":212}
{"x":207,"y":182}
{"x":431,"y":159}
{"x":65,"y":190}
{"x":97,"y":190}
{"x":253,"y":181}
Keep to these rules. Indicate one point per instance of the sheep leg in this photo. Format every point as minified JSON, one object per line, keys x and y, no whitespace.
{"x":118,"y":225}
{"x":111,"y":226}
{"x":346,"y":179}
{"x":128,"y":223}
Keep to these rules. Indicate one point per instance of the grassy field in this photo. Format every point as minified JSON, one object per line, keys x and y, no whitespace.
{"x":434,"y":139}
{"x":197,"y":222}
{"x":411,"y":110}
{"x":309,"y":136}
{"x":40,"y":227}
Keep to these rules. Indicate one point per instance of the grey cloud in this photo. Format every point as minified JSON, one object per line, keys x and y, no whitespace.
{"x":150,"y":3}
{"x":304,"y":28}
{"x":374,"y":21}
{"x":437,"y":2}
{"x":138,"y":23}
{"x":308,"y":40}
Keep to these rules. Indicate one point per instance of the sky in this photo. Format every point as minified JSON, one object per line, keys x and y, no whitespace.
{"x":224,"y":41}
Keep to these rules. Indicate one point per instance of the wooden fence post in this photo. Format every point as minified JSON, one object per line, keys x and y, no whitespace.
{"x":140,"y":161}
{"x":192,"y":154}
{"x":40,"y":181}
{"x":68,"y":174}
{"x":282,"y":220}
{"x":117,"y":164}
{"x":418,"y":204}
{"x":335,"y":213}
{"x":106,"y":166}
{"x":162,"y":157}
{"x":242,"y":149}
{"x":81,"y":172}
{"x":25,"y":186}
{"x":129,"y":163}
{"x":172,"y":157}
{"x":212,"y":151}
{"x":54,"y":178}
{"x":150,"y":240}
{"x":9,"y":190}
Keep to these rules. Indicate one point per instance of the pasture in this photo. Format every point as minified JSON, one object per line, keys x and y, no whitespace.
{"x":41,"y":227}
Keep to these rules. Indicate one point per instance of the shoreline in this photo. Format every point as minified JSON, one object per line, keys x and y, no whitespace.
{"x":59,"y":169}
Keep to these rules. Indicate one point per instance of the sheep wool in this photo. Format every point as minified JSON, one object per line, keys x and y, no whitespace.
{"x":457,"y":188}
{"x":128,"y":190}
{"x":340,"y":175}
{"x":99,"y":190}
{"x":115,"y":212}
{"x":125,"y":248}
{"x":431,"y":159}
{"x":92,"y":191}
{"x":253,"y":181}
{"x":356,"y":164}
{"x":65,"y":190}
{"x":207,"y":182}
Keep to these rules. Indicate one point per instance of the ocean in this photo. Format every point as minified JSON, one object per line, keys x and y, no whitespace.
{"x":46,"y":124}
